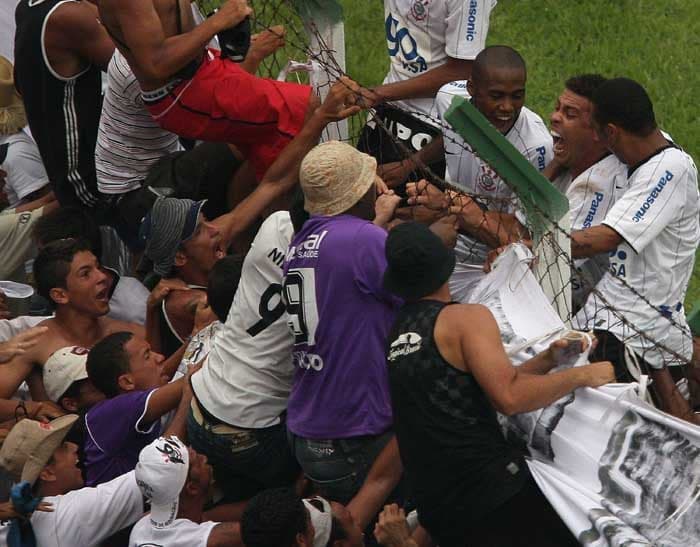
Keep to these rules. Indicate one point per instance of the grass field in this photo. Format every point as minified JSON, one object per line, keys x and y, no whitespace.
{"x":656,"y":43}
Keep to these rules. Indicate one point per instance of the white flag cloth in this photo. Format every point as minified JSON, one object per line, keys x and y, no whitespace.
{"x":618,"y":471}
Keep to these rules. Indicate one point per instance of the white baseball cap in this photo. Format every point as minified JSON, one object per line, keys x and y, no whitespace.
{"x":322,"y":519}
{"x":65,"y":366}
{"x":161,"y":474}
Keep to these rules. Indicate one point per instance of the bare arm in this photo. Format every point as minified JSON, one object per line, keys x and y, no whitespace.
{"x":163,"y":400}
{"x":510,"y":390}
{"x":178,"y":425}
{"x":159,"y":57}
{"x":428,"y":83}
{"x":225,"y":534}
{"x":595,"y":240}
{"x":75,"y":29}
{"x":381,"y":480}
{"x":48,"y":202}
{"x":283,"y":174}
{"x":396,"y":172}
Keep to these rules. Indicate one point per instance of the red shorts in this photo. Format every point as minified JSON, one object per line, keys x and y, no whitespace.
{"x":223,"y":102}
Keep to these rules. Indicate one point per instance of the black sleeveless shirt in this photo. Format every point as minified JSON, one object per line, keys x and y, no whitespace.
{"x":457,"y":462}
{"x":63,"y":113}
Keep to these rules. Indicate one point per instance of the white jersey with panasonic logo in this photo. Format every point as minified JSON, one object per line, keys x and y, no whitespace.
{"x":591,"y":195}
{"x":529,"y":135}
{"x":658,"y":220}
{"x":248,"y":375}
{"x":422,"y":34}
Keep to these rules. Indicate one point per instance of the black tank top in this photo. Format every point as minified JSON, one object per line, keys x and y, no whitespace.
{"x":63,"y":113}
{"x":457,"y":462}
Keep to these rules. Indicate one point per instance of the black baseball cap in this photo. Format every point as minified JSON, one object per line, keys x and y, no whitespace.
{"x":418,"y":261}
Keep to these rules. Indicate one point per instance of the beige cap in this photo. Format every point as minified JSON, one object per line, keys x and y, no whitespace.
{"x":65,"y":366}
{"x":12,"y":114}
{"x":30,"y":445}
{"x":334,"y":176}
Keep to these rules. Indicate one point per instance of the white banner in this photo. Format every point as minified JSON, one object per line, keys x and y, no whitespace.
{"x":618,"y":471}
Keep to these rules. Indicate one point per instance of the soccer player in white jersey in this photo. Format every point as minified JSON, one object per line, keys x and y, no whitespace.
{"x":488,"y":218}
{"x":651,"y":234}
{"x":430,"y":43}
{"x":588,"y":174}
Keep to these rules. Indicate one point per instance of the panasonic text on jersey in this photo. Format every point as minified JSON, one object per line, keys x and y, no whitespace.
{"x":471,"y":20}
{"x":651,"y":198}
{"x":597,"y":200}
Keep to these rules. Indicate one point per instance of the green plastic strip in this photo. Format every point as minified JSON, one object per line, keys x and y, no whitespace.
{"x":536,"y":193}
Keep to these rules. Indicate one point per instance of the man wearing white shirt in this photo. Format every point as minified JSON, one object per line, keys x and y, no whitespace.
{"x":176,"y":481}
{"x":37,"y":453}
{"x":488,"y":212}
{"x":588,"y":174}
{"x":651,"y":234}
{"x":430,"y":43}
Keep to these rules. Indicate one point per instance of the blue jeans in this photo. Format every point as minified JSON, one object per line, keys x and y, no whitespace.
{"x":338,"y":467}
{"x":244,"y":461}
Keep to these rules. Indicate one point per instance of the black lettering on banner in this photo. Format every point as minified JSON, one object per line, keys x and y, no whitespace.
{"x":267,"y":315}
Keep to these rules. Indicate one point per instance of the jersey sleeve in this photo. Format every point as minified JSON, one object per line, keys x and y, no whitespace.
{"x":89,"y":515}
{"x":111,"y":423}
{"x":649,"y":205}
{"x":24,"y":168}
{"x":467,"y":27}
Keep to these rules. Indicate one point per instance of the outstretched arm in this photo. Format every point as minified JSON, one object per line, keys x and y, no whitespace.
{"x":283,"y":174}
{"x":159,"y":57}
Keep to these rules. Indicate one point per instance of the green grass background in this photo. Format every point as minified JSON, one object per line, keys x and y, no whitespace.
{"x":655,"y":43}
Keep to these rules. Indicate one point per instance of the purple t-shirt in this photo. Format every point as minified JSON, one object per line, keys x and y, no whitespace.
{"x":116,"y":433}
{"x":341,"y":316}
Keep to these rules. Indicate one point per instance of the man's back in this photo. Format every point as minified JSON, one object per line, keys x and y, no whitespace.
{"x":129,"y":141}
{"x":658,"y":219}
{"x":63,"y":112}
{"x":340,"y":315}
{"x":248,"y":375}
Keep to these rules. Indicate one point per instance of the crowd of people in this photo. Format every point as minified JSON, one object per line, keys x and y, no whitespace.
{"x":242,"y":337}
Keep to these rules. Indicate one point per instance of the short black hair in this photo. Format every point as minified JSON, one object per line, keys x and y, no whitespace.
{"x":273,"y":518}
{"x":625,"y":103}
{"x":107,"y":361}
{"x":585,"y":85}
{"x":497,"y":57}
{"x":52,"y":265}
{"x":67,"y":222}
{"x":223,"y":284}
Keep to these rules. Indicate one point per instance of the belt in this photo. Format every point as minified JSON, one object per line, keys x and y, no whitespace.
{"x":205,"y":419}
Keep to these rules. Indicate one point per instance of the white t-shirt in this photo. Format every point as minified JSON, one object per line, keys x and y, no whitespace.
{"x":199,"y":346}
{"x":23,"y":165}
{"x":128,"y":301}
{"x":247,"y":378}
{"x":87,"y":516}
{"x":591,"y":195}
{"x":658,"y":220}
{"x":182,"y":532}
{"x":529,"y":135}
{"x":129,"y":141}
{"x":422,"y":34}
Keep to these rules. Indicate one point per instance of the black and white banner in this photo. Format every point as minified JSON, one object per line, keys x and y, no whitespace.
{"x":618,"y":471}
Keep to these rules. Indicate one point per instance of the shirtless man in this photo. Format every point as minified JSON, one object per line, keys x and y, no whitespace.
{"x":69,"y":276}
{"x":195,"y":93}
